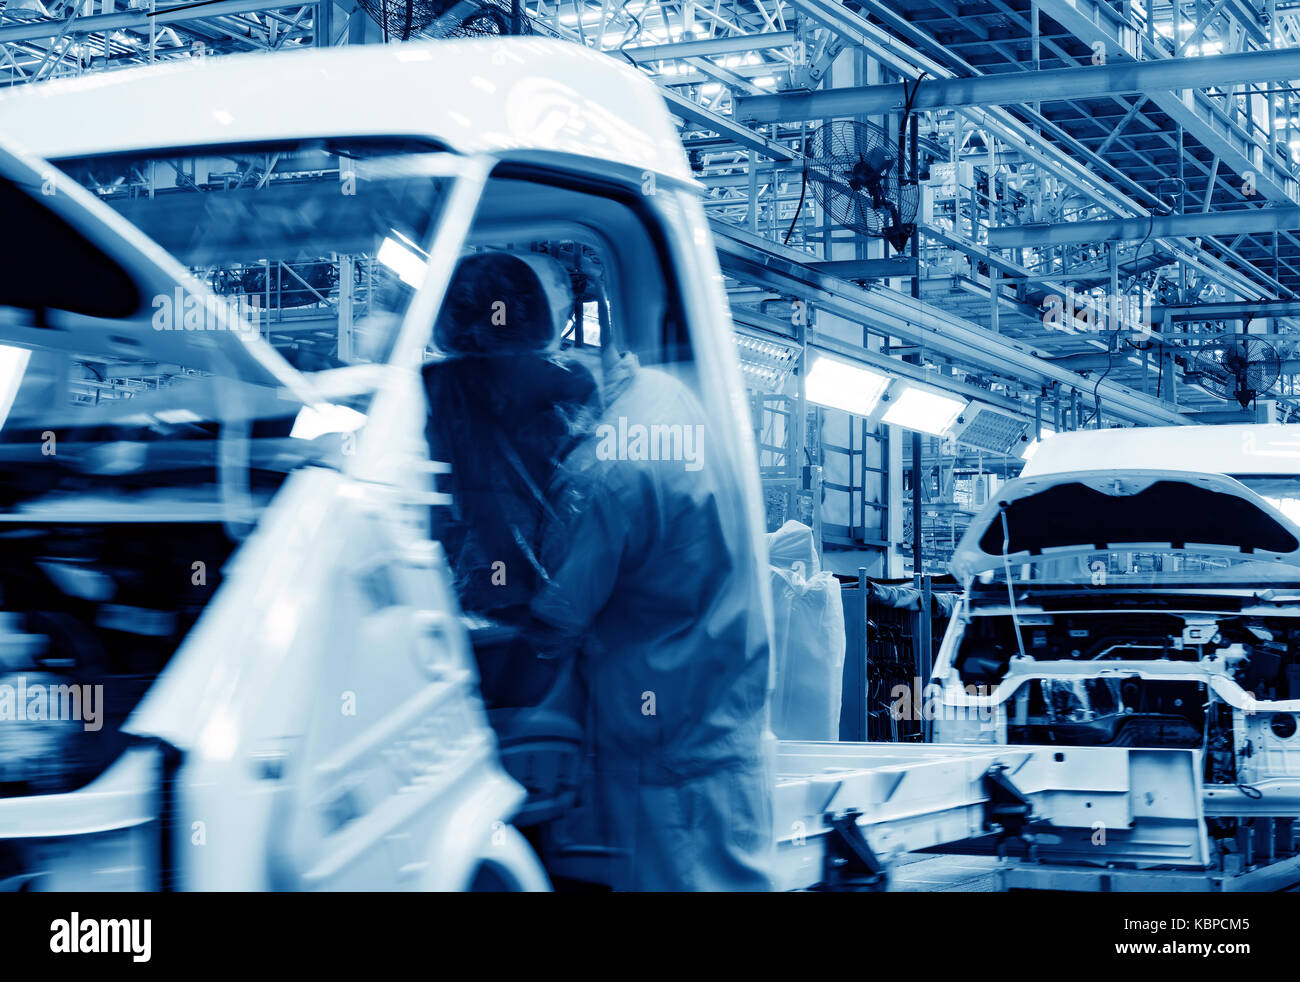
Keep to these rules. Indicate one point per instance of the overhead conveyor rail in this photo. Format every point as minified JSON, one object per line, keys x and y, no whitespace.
{"x":780,"y":268}
{"x":843,"y":811}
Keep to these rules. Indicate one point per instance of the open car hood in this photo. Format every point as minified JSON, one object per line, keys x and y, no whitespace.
{"x":1075,"y":513}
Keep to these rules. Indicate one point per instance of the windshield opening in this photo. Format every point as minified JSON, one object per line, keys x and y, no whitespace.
{"x":1282,"y":491}
{"x":318,"y":246}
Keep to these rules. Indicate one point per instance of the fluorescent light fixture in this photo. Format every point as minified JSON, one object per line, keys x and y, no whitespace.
{"x":844,"y":385}
{"x":989,"y":428}
{"x":330,"y":418}
{"x":1032,"y":446}
{"x":13,"y":365}
{"x":766,"y":363}
{"x":925,"y":410}
{"x":406,"y":264}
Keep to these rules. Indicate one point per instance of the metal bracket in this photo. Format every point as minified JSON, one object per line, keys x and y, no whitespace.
{"x":848,"y":863}
{"x":1007,"y":805}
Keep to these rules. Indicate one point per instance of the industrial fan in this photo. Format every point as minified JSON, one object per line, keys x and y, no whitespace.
{"x":492,"y":18}
{"x":402,"y":20}
{"x":1240,"y":367}
{"x":858,"y":177}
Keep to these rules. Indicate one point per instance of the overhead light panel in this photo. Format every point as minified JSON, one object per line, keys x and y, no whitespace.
{"x":924,"y":410}
{"x":766,"y":363}
{"x":986,"y":428}
{"x":844,"y":385}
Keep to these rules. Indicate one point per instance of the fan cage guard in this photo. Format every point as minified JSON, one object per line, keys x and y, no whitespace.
{"x":405,"y":20}
{"x":1241,"y":368}
{"x":853,"y":170}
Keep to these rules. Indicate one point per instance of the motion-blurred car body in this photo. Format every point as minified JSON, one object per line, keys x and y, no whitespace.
{"x":241,"y":555}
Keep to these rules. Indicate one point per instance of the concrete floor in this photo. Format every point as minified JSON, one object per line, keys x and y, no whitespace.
{"x":923,"y":873}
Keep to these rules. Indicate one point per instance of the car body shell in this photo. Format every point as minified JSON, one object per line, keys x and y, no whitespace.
{"x":275,"y":787}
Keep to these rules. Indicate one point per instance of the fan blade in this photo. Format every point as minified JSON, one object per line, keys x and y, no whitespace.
{"x":867,"y":218}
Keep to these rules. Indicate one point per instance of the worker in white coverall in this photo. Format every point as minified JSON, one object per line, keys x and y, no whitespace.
{"x":652,"y":590}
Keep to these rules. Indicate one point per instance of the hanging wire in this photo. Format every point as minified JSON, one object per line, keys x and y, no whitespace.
{"x":629,"y":35}
{"x":1011,"y":591}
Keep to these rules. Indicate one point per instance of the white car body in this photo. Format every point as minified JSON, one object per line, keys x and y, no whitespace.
{"x":1244,"y":448}
{"x":1091,"y":611}
{"x":256,"y":775}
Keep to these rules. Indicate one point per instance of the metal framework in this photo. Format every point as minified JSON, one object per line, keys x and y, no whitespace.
{"x":1137,"y":156}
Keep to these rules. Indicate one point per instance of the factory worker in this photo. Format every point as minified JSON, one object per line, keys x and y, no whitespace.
{"x":505,"y":408}
{"x":650,"y":583}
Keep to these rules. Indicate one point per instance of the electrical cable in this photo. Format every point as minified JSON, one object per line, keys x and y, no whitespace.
{"x":907,"y":113}
{"x":1151,"y":227}
{"x":803,"y":189}
{"x":629,"y":36}
{"x":1096,"y":389}
{"x":1011,"y":592}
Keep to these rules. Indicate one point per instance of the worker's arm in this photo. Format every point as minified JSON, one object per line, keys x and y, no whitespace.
{"x":584,"y":547}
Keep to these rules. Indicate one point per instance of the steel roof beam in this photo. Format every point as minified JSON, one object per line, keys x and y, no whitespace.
{"x":1232,"y":310}
{"x":711,"y":48}
{"x":134,"y":19}
{"x":1095,"y":21}
{"x":1240,"y":220}
{"x":750,"y":258}
{"x":1015,"y":88}
{"x":726,"y":126}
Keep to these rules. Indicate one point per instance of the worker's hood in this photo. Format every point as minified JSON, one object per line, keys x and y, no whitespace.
{"x":1037,"y":519}
{"x":81,"y":279}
